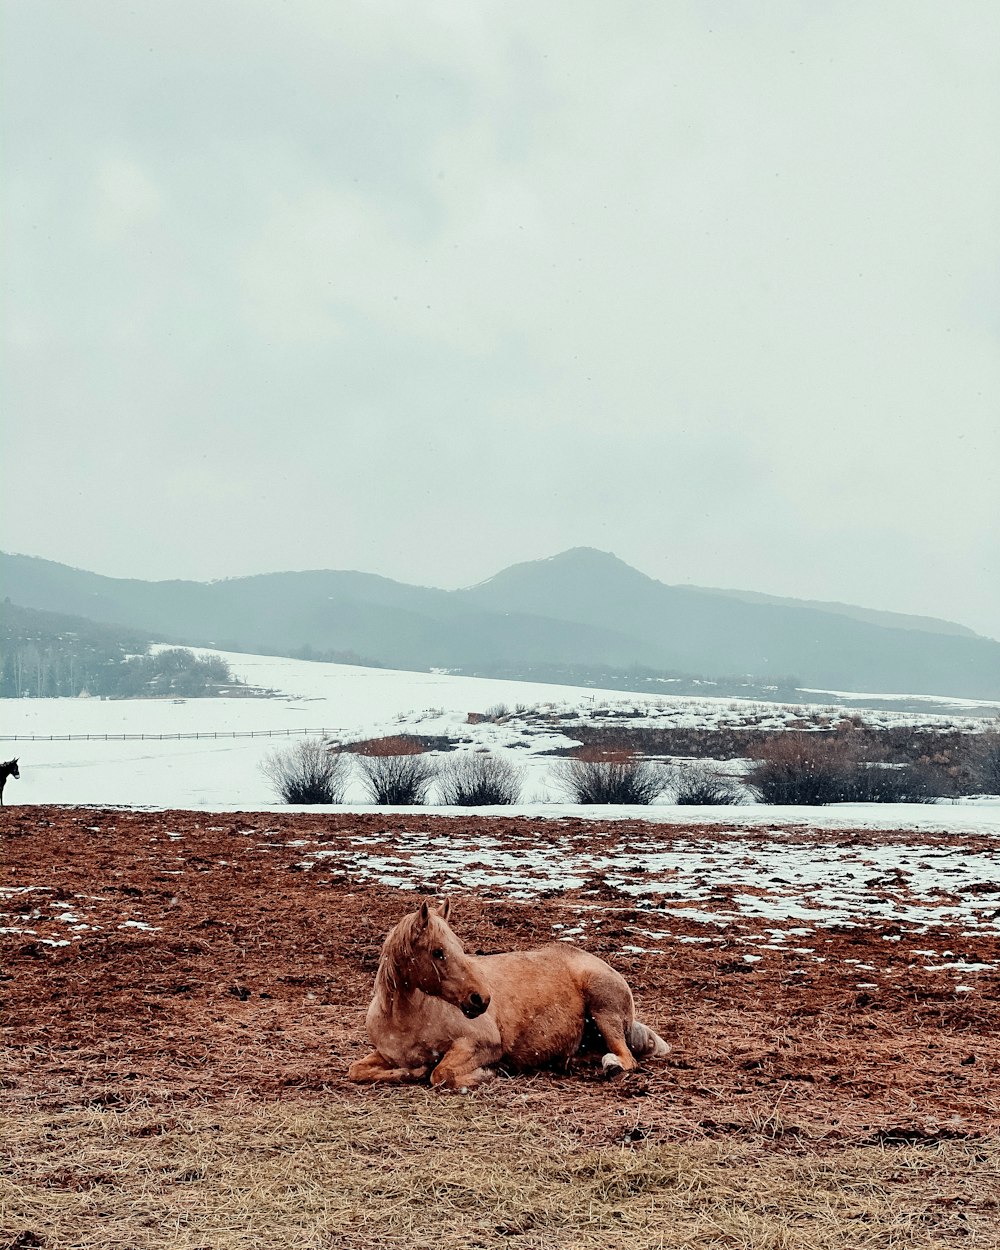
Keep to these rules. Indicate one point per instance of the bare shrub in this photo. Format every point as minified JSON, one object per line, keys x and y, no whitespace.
{"x":878,"y":782}
{"x":395,"y":771}
{"x":701,"y":784}
{"x":801,"y":769}
{"x":816,"y":769}
{"x":610,"y":777}
{"x":987,"y":762}
{"x":479,"y":780}
{"x":309,"y":772}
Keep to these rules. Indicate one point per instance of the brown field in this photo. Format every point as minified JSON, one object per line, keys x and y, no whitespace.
{"x":183,"y":1085}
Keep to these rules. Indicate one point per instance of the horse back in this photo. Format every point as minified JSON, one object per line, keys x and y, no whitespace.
{"x":555,"y":964}
{"x":542,"y":998}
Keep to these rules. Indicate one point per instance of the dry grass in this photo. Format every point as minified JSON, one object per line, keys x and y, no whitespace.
{"x":413,"y":1169}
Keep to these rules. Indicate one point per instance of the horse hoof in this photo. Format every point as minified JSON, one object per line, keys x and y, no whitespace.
{"x":612,"y":1065}
{"x":442,"y":1088}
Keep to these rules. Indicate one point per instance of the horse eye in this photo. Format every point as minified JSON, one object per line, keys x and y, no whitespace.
{"x":438,"y":954}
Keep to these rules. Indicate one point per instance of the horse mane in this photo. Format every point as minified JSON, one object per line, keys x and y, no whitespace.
{"x":396,"y":949}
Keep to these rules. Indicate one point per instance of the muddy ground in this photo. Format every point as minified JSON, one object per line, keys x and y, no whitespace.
{"x":179,"y":958}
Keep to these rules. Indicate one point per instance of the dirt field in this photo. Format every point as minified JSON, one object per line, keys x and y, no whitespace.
{"x":181,"y":998}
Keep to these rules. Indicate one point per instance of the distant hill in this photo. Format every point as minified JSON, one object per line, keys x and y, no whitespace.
{"x":873,"y":616}
{"x":577,"y":609}
{"x":720,"y":634}
{"x":278,"y":613}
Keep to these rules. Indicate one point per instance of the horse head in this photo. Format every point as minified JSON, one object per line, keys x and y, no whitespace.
{"x":426,"y":955}
{"x":10,"y":769}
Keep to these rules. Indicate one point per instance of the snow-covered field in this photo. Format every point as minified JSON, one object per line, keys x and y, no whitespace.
{"x":349,"y":703}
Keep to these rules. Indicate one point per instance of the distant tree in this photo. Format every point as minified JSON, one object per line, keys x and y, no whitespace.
{"x":10,"y":676}
{"x":178,"y":671}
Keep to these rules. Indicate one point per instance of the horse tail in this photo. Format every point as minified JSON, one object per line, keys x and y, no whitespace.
{"x":644,"y":1043}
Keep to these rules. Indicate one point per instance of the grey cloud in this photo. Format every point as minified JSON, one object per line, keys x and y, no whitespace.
{"x":426,"y":292}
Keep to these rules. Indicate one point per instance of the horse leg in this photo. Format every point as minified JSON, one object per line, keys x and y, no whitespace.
{"x":375,"y":1068}
{"x":610,"y":1006}
{"x":626,"y":1042}
{"x":610,"y":1023}
{"x":465,"y":1065}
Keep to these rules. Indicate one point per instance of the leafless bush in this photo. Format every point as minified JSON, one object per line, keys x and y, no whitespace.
{"x":799,"y":769}
{"x":987,"y":757}
{"x":947,"y":749}
{"x":610,"y":777}
{"x":817,"y":769}
{"x":704,"y":785}
{"x":395,"y":772}
{"x":308,"y":772}
{"x":878,"y":782}
{"x":478,"y":780}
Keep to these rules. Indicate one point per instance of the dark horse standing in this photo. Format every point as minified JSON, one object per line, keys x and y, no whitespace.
{"x":7,"y":770}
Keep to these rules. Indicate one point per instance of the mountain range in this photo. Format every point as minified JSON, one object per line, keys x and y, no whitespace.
{"x":580,"y":608}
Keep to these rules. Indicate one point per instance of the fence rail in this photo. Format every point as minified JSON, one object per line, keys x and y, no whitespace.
{"x":225,"y":733}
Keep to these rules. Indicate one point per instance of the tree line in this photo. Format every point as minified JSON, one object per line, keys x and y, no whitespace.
{"x":45,"y":656}
{"x":51,"y":672}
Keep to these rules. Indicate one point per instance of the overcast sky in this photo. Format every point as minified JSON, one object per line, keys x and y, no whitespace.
{"x":427,"y":289}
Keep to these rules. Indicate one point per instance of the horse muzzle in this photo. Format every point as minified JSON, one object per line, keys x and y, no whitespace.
{"x":474,"y":1006}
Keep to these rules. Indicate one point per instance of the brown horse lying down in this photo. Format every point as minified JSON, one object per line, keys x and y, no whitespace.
{"x":454,"y":1016}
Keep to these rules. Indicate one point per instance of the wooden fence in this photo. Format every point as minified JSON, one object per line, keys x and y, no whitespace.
{"x":225,"y":733}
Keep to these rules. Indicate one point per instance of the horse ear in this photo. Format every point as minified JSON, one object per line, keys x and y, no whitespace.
{"x":444,"y":909}
{"x":423,"y":915}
